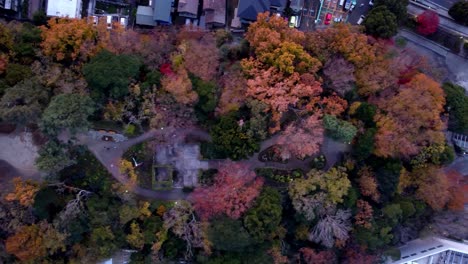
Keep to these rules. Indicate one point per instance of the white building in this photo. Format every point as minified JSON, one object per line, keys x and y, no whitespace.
{"x":64,"y":8}
{"x":433,"y":250}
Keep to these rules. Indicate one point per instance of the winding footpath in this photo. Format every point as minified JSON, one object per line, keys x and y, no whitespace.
{"x":109,"y":154}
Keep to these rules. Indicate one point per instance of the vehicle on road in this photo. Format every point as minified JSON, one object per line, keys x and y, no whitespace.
{"x":349,"y":3}
{"x":371,"y":2}
{"x":361,"y":19}
{"x":353,"y":5}
{"x":328,"y":17}
{"x":341,"y":3}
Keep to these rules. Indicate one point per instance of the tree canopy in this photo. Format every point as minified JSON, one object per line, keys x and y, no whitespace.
{"x":459,"y":12}
{"x":381,"y":22}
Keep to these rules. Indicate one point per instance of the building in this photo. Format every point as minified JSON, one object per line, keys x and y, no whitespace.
{"x":296,"y":5}
{"x":247,"y":10}
{"x":9,"y":4}
{"x":157,"y":14}
{"x":64,"y":8}
{"x":215,"y":13}
{"x":433,"y":250}
{"x":188,"y":8}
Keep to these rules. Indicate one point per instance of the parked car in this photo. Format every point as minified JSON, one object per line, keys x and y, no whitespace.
{"x":292,"y":21}
{"x":371,"y":2}
{"x":361,"y":19}
{"x":328,"y":17}
{"x":353,"y":5}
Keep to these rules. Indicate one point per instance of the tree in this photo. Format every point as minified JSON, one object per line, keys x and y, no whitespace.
{"x":368,"y":184}
{"x":233,"y":192}
{"x":428,"y":22}
{"x":109,"y":75}
{"x":180,"y":87}
{"x":67,"y":111}
{"x":280,"y":92}
{"x":332,"y":227}
{"x":301,"y":139}
{"x":339,"y":129}
{"x":182,"y":222}
{"x":135,"y":238}
{"x":433,"y":186}
{"x":102,"y":241}
{"x":201,"y":57}
{"x":314,"y":196}
{"x":364,"y":215}
{"x":231,"y":138}
{"x":53,"y":157}
{"x":381,"y":22}
{"x":24,"y":193}
{"x":340,"y":75}
{"x":233,"y":92}
{"x":310,"y":256}
{"x":263,"y":219}
{"x":397,"y":7}
{"x":459,"y":12}
{"x":67,"y":39}
{"x":457,"y":104}
{"x":35,"y":242}
{"x":24,"y":102}
{"x":365,"y":144}
{"x":228,"y":235}
{"x":409,"y":124}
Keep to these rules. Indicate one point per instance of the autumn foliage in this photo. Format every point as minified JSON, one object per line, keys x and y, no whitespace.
{"x":234,"y":189}
{"x":24,"y":192}
{"x":368,"y":184}
{"x":301,"y":139}
{"x":410,"y":118}
{"x":428,"y":22}
{"x":310,"y":256}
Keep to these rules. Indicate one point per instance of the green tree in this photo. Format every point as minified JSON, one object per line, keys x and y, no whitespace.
{"x":364,"y":145}
{"x":207,"y":100}
{"x":339,"y":129}
{"x":397,"y":7}
{"x":231,"y":138}
{"x":53,"y":157}
{"x":229,"y":235}
{"x":39,"y":18}
{"x":457,"y":104}
{"x":392,"y":213}
{"x":67,"y":111}
{"x":264,"y":218}
{"x":127,"y":213}
{"x":459,"y":12}
{"x":24,"y":102}
{"x":381,"y":22}
{"x":15,"y":73}
{"x":109,"y":75}
{"x":103,"y":241}
{"x":366,"y":113}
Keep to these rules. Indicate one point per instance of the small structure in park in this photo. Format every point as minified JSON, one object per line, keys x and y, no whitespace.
{"x":177,"y":165}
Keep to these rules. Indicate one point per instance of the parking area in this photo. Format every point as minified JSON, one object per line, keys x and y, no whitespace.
{"x":308,"y":14}
{"x":338,"y":14}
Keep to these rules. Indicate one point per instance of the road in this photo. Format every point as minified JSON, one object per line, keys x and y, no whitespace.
{"x":444,"y":22}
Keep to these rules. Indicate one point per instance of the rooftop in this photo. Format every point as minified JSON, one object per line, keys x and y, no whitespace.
{"x":433,"y":250}
{"x":64,"y":8}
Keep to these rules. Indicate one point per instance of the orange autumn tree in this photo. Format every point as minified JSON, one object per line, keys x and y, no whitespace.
{"x":410,"y":118}
{"x":69,"y":39}
{"x":277,"y":69}
{"x":201,"y":57}
{"x":180,"y":87}
{"x":233,"y":192}
{"x":368,"y":183}
{"x":24,"y":193}
{"x":432,"y":186}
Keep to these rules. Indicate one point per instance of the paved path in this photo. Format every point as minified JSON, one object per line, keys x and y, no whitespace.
{"x":109,"y":154}
{"x":19,"y":151}
{"x":440,"y":55}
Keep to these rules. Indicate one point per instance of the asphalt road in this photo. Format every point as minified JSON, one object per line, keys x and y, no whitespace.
{"x":353,"y":17}
{"x":444,"y":3}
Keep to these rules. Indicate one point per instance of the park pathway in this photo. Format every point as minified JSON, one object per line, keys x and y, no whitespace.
{"x":109,"y":154}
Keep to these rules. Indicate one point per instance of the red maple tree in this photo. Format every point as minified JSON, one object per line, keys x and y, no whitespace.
{"x":234,"y":189}
{"x":428,"y":22}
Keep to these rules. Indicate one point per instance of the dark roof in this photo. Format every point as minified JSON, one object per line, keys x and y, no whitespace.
{"x":249,"y":9}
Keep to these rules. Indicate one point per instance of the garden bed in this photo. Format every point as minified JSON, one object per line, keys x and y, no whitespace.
{"x":277,"y":175}
{"x":318,"y":162}
{"x":271,"y":154}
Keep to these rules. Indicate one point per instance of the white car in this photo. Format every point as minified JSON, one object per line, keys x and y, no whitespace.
{"x":361,"y":19}
{"x":371,"y":2}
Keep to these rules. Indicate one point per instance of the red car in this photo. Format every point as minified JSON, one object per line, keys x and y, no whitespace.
{"x":328,"y":18}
